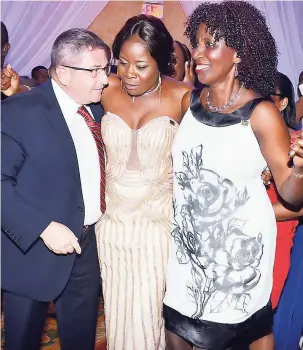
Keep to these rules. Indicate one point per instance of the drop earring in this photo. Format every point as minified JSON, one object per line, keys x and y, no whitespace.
{"x":236,"y":70}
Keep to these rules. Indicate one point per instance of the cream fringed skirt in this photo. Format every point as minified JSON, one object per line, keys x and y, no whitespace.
{"x":133,"y":254}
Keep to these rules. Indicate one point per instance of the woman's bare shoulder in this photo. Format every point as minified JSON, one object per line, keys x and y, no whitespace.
{"x":113,"y":84}
{"x":175,"y":87}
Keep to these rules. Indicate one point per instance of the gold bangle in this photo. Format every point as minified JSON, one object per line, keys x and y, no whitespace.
{"x":298,"y":176}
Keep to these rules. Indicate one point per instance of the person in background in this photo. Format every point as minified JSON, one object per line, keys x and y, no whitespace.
{"x":299,"y":104}
{"x":10,"y":80}
{"x":183,"y":65}
{"x":5,"y":46}
{"x":181,"y":62}
{"x":284,"y":99}
{"x":287,"y":220}
{"x":219,"y":276}
{"x":40,"y":75}
{"x":288,"y":319}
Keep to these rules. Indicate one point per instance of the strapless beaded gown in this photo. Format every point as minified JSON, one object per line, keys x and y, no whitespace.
{"x":133,"y":235}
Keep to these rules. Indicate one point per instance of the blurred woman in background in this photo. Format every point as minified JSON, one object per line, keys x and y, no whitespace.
{"x":284,"y":99}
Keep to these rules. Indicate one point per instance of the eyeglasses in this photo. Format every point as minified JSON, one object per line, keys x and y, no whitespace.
{"x":280,"y":95}
{"x":93,"y":71}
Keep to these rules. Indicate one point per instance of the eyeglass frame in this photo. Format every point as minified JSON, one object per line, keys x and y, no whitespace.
{"x":106,"y":69}
{"x":280,"y":95}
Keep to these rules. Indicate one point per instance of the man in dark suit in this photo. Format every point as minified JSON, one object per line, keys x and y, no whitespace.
{"x":52,"y":195}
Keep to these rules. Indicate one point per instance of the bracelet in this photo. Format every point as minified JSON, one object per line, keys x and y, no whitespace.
{"x":298,"y":176}
{"x":28,"y":88}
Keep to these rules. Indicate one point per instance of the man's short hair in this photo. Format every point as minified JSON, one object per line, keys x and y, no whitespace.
{"x":72,"y":42}
{"x":36,"y":69}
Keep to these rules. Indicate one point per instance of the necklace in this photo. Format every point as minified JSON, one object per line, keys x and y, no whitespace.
{"x":227,"y":104}
{"x":158,"y":87}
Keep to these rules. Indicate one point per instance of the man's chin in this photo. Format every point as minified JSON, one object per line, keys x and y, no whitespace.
{"x":96,"y":97}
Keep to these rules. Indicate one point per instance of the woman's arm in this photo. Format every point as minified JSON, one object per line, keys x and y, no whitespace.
{"x":283,"y":214}
{"x":185,"y":102}
{"x":275,"y":146}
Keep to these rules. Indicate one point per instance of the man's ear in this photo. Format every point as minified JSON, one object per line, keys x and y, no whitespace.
{"x":63,"y":75}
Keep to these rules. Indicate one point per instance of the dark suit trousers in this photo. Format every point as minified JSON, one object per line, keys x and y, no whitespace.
{"x":76,"y":307}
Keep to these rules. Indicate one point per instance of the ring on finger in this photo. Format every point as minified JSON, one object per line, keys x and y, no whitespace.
{"x":291,"y":153}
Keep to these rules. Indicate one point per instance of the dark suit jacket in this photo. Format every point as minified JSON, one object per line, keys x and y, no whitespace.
{"x":40,"y":184}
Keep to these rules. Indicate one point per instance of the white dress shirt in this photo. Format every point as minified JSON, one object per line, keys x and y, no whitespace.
{"x":87,"y":154}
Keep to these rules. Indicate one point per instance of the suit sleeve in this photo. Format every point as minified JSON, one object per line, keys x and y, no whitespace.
{"x":22,"y":223}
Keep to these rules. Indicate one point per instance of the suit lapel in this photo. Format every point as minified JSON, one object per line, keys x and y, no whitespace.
{"x":60,"y":128}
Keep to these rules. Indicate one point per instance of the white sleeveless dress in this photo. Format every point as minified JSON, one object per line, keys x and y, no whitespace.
{"x":133,"y":235}
{"x":224,"y":231}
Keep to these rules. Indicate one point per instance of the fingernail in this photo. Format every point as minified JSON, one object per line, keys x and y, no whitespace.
{"x":186,"y":63}
{"x":9,"y":66}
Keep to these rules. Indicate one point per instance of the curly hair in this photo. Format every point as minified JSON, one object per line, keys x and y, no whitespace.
{"x":157,"y":39}
{"x":243,"y":27}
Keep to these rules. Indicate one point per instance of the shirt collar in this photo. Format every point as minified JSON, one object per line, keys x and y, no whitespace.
{"x":68,"y":106}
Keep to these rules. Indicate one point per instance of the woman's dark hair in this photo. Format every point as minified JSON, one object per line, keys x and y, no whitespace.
{"x":185,"y":51}
{"x":4,"y":34}
{"x":153,"y":32}
{"x":286,"y":89}
{"x":300,"y":82}
{"x":244,"y":28}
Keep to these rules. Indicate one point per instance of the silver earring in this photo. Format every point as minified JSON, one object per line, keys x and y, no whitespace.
{"x":236,"y":70}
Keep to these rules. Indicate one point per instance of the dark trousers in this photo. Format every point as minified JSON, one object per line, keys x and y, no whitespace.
{"x":76,"y":307}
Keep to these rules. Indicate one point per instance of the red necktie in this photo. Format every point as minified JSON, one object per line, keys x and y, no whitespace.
{"x":95,"y":129}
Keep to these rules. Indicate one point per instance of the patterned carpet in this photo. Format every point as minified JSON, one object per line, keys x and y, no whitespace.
{"x":50,"y":339}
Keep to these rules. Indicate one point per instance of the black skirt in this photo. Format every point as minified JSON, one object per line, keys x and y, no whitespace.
{"x":219,"y":336}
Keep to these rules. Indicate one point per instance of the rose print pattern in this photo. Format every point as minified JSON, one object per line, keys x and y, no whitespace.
{"x":209,"y":236}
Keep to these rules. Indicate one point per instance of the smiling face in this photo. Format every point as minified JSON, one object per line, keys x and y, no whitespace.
{"x":215,"y":61}
{"x":83,"y":86}
{"x":137,"y":69}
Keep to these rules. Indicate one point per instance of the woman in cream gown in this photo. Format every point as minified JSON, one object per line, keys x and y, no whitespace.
{"x":143,"y":111}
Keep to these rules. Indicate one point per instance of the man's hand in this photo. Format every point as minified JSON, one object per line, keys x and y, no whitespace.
{"x":10,"y":81}
{"x":60,"y":239}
